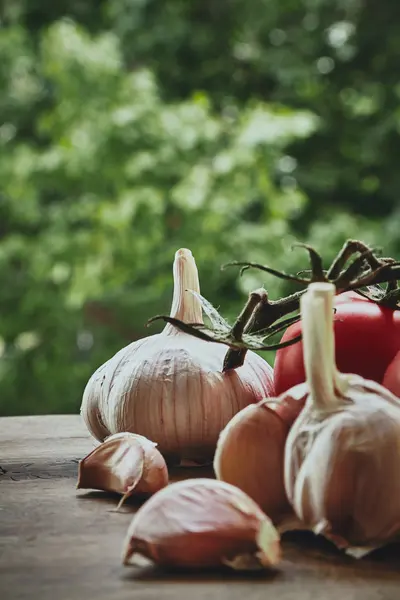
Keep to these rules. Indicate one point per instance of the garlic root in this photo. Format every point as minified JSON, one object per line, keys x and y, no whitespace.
{"x":125,"y":463}
{"x":203,"y":523}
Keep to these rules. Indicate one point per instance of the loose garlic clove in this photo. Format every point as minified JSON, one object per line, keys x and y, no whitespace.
{"x":342,"y":454}
{"x":170,"y":387}
{"x":249,"y":455}
{"x":203,"y":523}
{"x":125,"y":463}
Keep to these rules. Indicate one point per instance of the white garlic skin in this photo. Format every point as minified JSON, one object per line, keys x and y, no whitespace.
{"x":173,"y":395}
{"x":342,"y":454}
{"x":170,"y":388}
{"x":342,"y":473}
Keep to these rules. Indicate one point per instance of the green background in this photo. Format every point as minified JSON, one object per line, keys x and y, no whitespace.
{"x":131,"y":128}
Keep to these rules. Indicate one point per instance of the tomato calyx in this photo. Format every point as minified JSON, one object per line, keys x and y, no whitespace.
{"x":367,"y":270}
{"x":262,"y":318}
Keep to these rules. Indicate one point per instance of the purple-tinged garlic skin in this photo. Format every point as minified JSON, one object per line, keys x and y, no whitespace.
{"x":250,"y":455}
{"x":125,"y":463}
{"x":203,"y":523}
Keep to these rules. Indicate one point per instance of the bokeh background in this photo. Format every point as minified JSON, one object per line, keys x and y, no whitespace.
{"x":131,"y":128}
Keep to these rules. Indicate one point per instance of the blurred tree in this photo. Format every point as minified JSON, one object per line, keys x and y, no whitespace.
{"x":328,"y":57}
{"x":338,"y":59}
{"x":130,"y":128}
{"x":96,"y":202}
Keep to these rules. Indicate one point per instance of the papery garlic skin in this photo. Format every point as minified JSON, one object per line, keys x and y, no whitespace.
{"x":342,"y":454}
{"x":250,"y":455}
{"x":203,"y":523}
{"x":348,"y":487}
{"x":169,"y":387}
{"x":125,"y":463}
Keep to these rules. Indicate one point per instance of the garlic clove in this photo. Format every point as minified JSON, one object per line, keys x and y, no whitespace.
{"x":250,"y":455}
{"x":125,"y":463}
{"x":268,"y":556}
{"x":203,"y":523}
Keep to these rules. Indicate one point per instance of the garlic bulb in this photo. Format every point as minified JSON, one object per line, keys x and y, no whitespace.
{"x":250,"y":454}
{"x":202,"y":523}
{"x":169,"y":387}
{"x":125,"y":463}
{"x":342,"y":455}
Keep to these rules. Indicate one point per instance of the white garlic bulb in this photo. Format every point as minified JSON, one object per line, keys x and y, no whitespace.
{"x":342,"y":453}
{"x":170,"y":387}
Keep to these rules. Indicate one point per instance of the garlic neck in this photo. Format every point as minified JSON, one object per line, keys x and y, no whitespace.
{"x":185,"y":306}
{"x":319,"y":346}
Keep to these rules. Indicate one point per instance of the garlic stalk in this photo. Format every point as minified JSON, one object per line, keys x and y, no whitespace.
{"x":249,"y":455}
{"x":125,"y":463}
{"x":342,"y":454}
{"x":202,"y":523}
{"x":170,"y":387}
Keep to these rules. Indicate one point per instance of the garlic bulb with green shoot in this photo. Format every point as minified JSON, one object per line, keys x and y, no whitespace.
{"x":169,"y":387}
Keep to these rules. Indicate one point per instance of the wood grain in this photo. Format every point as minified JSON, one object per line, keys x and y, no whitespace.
{"x":60,"y":544}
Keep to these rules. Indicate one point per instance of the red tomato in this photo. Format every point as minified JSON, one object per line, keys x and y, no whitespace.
{"x":391,"y":380}
{"x":347,"y":296}
{"x":367,"y":338}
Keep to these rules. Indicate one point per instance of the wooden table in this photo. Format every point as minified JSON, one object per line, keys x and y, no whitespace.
{"x":57,"y":543}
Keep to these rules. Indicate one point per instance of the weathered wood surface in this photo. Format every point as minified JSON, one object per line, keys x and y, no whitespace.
{"x":57,"y":543}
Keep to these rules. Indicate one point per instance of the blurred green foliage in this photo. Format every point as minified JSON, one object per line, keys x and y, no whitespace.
{"x":130,"y":128}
